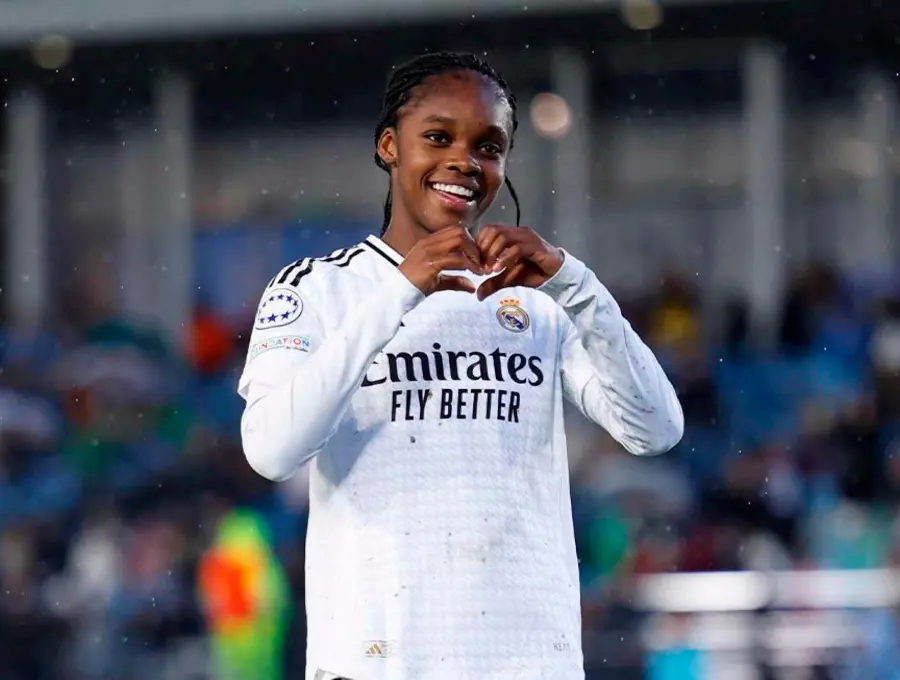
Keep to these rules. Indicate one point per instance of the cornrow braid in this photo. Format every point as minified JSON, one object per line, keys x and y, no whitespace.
{"x":400,"y":91}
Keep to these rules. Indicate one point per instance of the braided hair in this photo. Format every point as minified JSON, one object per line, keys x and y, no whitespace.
{"x":400,"y":91}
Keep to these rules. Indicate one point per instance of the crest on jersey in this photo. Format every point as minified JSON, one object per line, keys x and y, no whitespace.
{"x":511,"y":315}
{"x":279,"y":307}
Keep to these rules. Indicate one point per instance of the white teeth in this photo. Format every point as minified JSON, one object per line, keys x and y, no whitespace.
{"x":455,"y":190}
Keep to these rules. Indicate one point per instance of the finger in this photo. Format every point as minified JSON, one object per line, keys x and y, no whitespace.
{"x":460,"y":283}
{"x":489,"y":287}
{"x":449,"y":234}
{"x":470,"y":250}
{"x":492,"y":244}
{"x":505,"y":280}
{"x":460,"y":239}
{"x":508,"y":258}
{"x":454,"y":261}
{"x":492,"y":249}
{"x":490,"y":232}
{"x":516,"y":272}
{"x":485,"y":235}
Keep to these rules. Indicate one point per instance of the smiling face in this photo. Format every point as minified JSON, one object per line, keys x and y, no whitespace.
{"x":448,"y":152}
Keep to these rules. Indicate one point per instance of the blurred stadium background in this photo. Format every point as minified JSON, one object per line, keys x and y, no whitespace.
{"x":727,"y":168}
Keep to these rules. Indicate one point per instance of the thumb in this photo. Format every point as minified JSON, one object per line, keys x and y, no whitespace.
{"x":490,"y":286}
{"x":460,"y":283}
{"x":504,"y":279}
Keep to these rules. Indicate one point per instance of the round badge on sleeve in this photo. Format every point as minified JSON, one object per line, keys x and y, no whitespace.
{"x":279,"y":307}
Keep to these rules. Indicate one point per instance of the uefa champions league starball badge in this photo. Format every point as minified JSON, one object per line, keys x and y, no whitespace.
{"x":511,"y":315}
{"x":279,"y":307}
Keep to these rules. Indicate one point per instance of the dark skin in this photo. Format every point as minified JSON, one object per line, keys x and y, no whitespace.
{"x":457,"y":133}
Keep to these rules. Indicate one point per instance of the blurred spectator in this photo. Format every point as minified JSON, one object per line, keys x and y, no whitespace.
{"x":736,"y":328}
{"x":674,"y":319}
{"x":212,"y":342}
{"x":245,"y":599}
{"x":697,"y":391}
{"x":885,"y":356}
{"x":808,"y":291}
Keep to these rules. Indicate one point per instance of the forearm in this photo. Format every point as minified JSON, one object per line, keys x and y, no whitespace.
{"x":628,"y":392}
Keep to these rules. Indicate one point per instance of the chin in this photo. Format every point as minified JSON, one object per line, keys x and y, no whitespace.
{"x":436,"y":217}
{"x":434,"y":224}
{"x":469,"y":220}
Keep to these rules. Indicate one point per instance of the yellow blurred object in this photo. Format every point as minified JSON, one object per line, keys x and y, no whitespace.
{"x":674,"y":326}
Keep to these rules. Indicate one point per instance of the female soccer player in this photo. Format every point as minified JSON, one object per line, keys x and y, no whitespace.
{"x":422,"y":374}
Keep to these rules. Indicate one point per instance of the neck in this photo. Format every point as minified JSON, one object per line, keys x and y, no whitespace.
{"x":402,"y":239}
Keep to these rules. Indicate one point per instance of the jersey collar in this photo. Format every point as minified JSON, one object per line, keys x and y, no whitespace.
{"x":383,"y":250}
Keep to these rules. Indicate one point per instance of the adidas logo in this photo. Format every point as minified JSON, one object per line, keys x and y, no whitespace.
{"x":380,"y":649}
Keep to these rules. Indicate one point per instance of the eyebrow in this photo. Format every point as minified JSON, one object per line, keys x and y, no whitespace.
{"x":444,"y":120}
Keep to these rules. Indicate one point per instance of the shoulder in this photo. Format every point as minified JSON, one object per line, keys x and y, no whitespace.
{"x":310,"y":272}
{"x":307,"y":284}
{"x":311,"y":275}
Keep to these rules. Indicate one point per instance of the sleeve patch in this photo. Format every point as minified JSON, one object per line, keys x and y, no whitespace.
{"x":280,"y":307}
{"x":297,"y":343}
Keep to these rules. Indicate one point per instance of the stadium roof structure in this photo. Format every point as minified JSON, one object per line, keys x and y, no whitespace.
{"x":23,"y":21}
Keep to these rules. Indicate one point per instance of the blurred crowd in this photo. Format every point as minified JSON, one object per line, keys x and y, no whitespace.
{"x":789,"y":460}
{"x":120,"y":463}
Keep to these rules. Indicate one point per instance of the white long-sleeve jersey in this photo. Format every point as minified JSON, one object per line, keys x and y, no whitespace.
{"x":440,"y":543}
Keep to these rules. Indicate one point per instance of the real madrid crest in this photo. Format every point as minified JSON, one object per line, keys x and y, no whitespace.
{"x":511,"y":315}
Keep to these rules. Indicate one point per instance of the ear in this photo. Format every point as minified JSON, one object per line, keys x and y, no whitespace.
{"x":387,"y":146}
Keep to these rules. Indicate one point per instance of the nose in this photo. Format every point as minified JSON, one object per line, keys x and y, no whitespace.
{"x":462,"y":162}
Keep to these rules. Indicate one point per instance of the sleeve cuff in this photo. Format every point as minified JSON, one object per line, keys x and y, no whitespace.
{"x":569,"y":276}
{"x":407,"y":295}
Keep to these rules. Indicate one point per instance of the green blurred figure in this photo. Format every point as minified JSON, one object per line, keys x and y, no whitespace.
{"x":246,"y":600}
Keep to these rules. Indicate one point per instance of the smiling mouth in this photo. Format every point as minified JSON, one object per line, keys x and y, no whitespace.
{"x":455,"y":192}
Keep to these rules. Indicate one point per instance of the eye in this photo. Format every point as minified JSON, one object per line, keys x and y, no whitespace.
{"x":492,"y":149}
{"x":437,"y":137}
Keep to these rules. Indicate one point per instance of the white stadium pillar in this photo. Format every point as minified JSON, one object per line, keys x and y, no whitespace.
{"x":136,"y":244}
{"x":764,"y":113}
{"x":571,"y":80}
{"x":25,"y":285}
{"x":876,"y":245}
{"x":173,"y":147}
